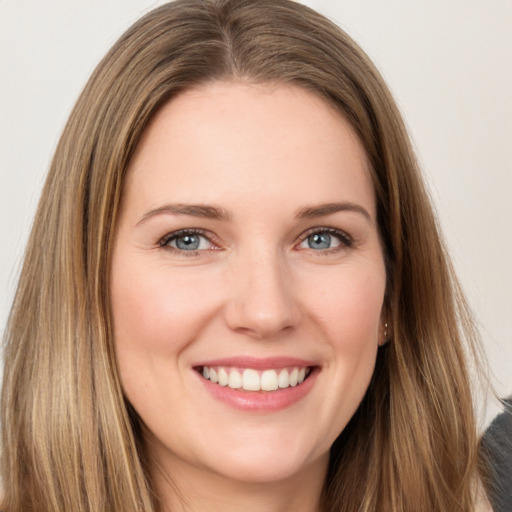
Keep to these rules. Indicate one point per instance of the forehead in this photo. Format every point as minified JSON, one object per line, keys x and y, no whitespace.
{"x":267,"y":141}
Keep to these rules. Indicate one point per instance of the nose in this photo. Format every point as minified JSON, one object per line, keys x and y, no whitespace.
{"x":262,"y":301}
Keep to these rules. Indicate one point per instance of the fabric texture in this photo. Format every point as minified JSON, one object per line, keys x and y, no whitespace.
{"x":497,"y":448}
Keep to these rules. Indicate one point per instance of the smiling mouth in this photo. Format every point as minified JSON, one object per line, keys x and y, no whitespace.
{"x":249,"y":379}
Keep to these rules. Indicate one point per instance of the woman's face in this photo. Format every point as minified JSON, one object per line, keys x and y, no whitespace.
{"x":247,"y":281}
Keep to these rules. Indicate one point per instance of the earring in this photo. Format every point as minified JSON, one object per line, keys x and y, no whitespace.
{"x":385,"y":340}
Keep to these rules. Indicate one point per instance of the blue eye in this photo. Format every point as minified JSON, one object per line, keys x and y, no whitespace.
{"x":187,"y":241}
{"x":319,"y":241}
{"x":325,"y":239}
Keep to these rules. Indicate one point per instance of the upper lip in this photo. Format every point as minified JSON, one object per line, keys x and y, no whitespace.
{"x":258,"y":363}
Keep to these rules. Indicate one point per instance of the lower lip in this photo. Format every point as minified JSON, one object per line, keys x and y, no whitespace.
{"x":261,"y":401}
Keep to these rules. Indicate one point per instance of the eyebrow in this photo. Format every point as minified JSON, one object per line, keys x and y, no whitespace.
{"x":204,"y":211}
{"x":309,"y":212}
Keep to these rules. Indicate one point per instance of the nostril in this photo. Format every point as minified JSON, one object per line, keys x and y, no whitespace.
{"x":262,"y":320}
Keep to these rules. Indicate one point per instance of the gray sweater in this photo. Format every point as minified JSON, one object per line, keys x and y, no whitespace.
{"x":497,"y":449}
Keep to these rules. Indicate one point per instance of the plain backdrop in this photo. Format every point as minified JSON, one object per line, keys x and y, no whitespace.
{"x":448,"y":63}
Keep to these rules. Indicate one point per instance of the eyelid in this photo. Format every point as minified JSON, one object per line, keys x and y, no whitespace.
{"x":345,"y":239}
{"x":163,"y":241}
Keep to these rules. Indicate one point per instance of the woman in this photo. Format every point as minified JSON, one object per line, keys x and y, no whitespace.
{"x":235,"y":287}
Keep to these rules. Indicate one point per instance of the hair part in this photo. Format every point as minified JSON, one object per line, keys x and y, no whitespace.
{"x":70,"y":442}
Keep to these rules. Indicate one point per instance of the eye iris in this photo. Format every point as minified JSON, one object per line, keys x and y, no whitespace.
{"x":319,"y":241}
{"x":187,"y":242}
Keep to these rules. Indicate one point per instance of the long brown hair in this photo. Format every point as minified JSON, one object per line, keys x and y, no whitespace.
{"x":70,"y":441}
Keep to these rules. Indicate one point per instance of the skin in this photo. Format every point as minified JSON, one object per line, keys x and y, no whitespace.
{"x":254,"y":287}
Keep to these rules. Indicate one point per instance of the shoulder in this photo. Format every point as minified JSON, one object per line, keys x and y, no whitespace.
{"x":497,"y":452}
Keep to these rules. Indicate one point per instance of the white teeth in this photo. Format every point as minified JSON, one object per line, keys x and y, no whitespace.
{"x":235,"y":379}
{"x":293,"y":377}
{"x":269,"y":380}
{"x":283,"y":379}
{"x":223,"y":377}
{"x":249,"y":379}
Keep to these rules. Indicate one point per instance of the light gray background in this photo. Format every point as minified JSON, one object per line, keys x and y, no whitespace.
{"x":448,"y":63}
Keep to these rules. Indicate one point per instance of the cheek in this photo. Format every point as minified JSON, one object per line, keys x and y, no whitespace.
{"x":152,"y":301}
{"x":157,"y":314}
{"x":349,"y":308}
{"x":350,"y":314}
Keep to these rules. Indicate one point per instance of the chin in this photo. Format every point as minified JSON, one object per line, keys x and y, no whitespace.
{"x":265,"y":471}
{"x":272,"y":458}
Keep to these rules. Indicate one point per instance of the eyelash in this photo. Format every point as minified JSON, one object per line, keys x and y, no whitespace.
{"x":346,"y":241}
{"x":180,"y":233}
